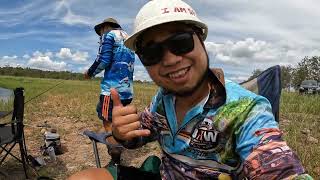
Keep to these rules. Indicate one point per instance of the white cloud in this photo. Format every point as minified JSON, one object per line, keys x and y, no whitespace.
{"x":9,"y":61}
{"x":243,"y":35}
{"x":26,"y":56}
{"x":72,"y":19}
{"x":43,"y":61}
{"x":251,"y":51}
{"x":240,"y":58}
{"x":37,"y":53}
{"x":243,"y":52}
{"x":80,"y":56}
{"x":49,"y":60}
{"x":65,"y":53}
{"x":63,"y":11}
{"x":140,"y":73}
{"x":19,"y":14}
{"x":14,"y":57}
{"x":48,"y":53}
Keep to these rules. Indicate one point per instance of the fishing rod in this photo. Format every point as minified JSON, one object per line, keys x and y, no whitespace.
{"x":36,"y":96}
{"x":44,"y":92}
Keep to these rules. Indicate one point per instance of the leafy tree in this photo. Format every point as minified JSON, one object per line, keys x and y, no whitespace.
{"x":286,"y":76}
{"x":299,"y":74}
{"x":314,"y":68}
{"x":255,"y":73}
{"x":308,"y":68}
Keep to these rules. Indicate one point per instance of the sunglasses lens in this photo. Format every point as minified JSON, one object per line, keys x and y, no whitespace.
{"x":181,"y":43}
{"x":178,"y":44}
{"x":151,"y":55}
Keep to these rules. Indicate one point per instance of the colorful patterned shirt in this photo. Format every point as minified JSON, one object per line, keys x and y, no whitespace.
{"x":231,"y":134}
{"x":117,"y":61}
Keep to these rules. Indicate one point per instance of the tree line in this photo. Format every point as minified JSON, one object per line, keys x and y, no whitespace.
{"x":36,"y":73}
{"x":307,"y":69}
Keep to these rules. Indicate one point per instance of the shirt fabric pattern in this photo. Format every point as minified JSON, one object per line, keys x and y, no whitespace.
{"x":239,"y":139}
{"x":117,"y":61}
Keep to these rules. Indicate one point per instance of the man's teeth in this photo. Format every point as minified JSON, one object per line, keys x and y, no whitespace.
{"x":178,"y":73}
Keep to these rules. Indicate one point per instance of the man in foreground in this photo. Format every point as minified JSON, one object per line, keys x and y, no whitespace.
{"x":207,"y":127}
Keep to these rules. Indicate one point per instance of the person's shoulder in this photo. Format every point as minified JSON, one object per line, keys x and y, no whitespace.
{"x":236,"y":89}
{"x":119,"y":33}
{"x":235,"y":92}
{"x":109,"y":33}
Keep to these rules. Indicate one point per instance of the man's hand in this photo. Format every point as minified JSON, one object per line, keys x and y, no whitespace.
{"x":125,"y":120}
{"x":86,"y":75}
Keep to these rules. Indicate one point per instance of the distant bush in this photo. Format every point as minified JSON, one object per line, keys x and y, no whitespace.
{"x":28,"y":72}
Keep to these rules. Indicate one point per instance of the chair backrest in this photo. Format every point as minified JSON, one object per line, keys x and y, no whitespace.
{"x":267,"y":84}
{"x":12,"y":133}
{"x":17,"y":111}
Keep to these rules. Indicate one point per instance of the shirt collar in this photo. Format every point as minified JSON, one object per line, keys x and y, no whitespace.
{"x":217,"y":96}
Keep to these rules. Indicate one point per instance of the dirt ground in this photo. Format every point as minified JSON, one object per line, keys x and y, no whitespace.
{"x":77,"y":152}
{"x":72,"y":115}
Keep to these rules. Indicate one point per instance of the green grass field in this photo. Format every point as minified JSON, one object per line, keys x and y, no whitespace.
{"x":73,"y":104}
{"x":300,"y":120}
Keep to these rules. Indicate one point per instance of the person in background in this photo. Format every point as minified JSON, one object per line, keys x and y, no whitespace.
{"x":208,"y":127}
{"x":117,"y":62}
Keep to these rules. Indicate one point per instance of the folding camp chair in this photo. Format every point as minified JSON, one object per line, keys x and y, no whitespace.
{"x":98,"y":138}
{"x":12,"y":133}
{"x":267,"y":84}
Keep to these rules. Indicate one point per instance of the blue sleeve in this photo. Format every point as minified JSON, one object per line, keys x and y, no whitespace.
{"x":260,"y":117}
{"x":105,"y":55}
{"x":264,"y":153}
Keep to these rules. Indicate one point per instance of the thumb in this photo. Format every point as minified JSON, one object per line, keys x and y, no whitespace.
{"x":115,"y":97}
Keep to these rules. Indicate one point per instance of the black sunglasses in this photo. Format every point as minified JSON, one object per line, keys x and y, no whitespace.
{"x":178,"y":44}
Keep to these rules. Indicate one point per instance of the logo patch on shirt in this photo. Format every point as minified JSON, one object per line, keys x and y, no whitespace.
{"x":204,"y":136}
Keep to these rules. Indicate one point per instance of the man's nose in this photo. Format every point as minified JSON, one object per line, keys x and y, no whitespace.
{"x":170,"y":58}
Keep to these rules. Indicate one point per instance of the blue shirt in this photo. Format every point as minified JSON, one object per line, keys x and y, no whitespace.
{"x":117,"y":61}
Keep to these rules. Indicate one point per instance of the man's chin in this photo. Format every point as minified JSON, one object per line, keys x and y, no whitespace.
{"x":187,"y":91}
{"x":182,"y":92}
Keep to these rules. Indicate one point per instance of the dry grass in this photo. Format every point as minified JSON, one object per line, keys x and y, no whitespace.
{"x":70,"y":108}
{"x":300,"y":120}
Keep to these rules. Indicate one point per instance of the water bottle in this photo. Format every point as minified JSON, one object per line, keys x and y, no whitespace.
{"x":51,"y":153}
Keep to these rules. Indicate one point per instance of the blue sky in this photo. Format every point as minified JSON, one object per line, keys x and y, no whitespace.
{"x":243,"y":35}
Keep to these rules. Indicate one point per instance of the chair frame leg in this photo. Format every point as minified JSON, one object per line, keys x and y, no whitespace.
{"x":96,"y":153}
{"x":23,"y":157}
{"x":8,"y":152}
{"x":23,"y":154}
